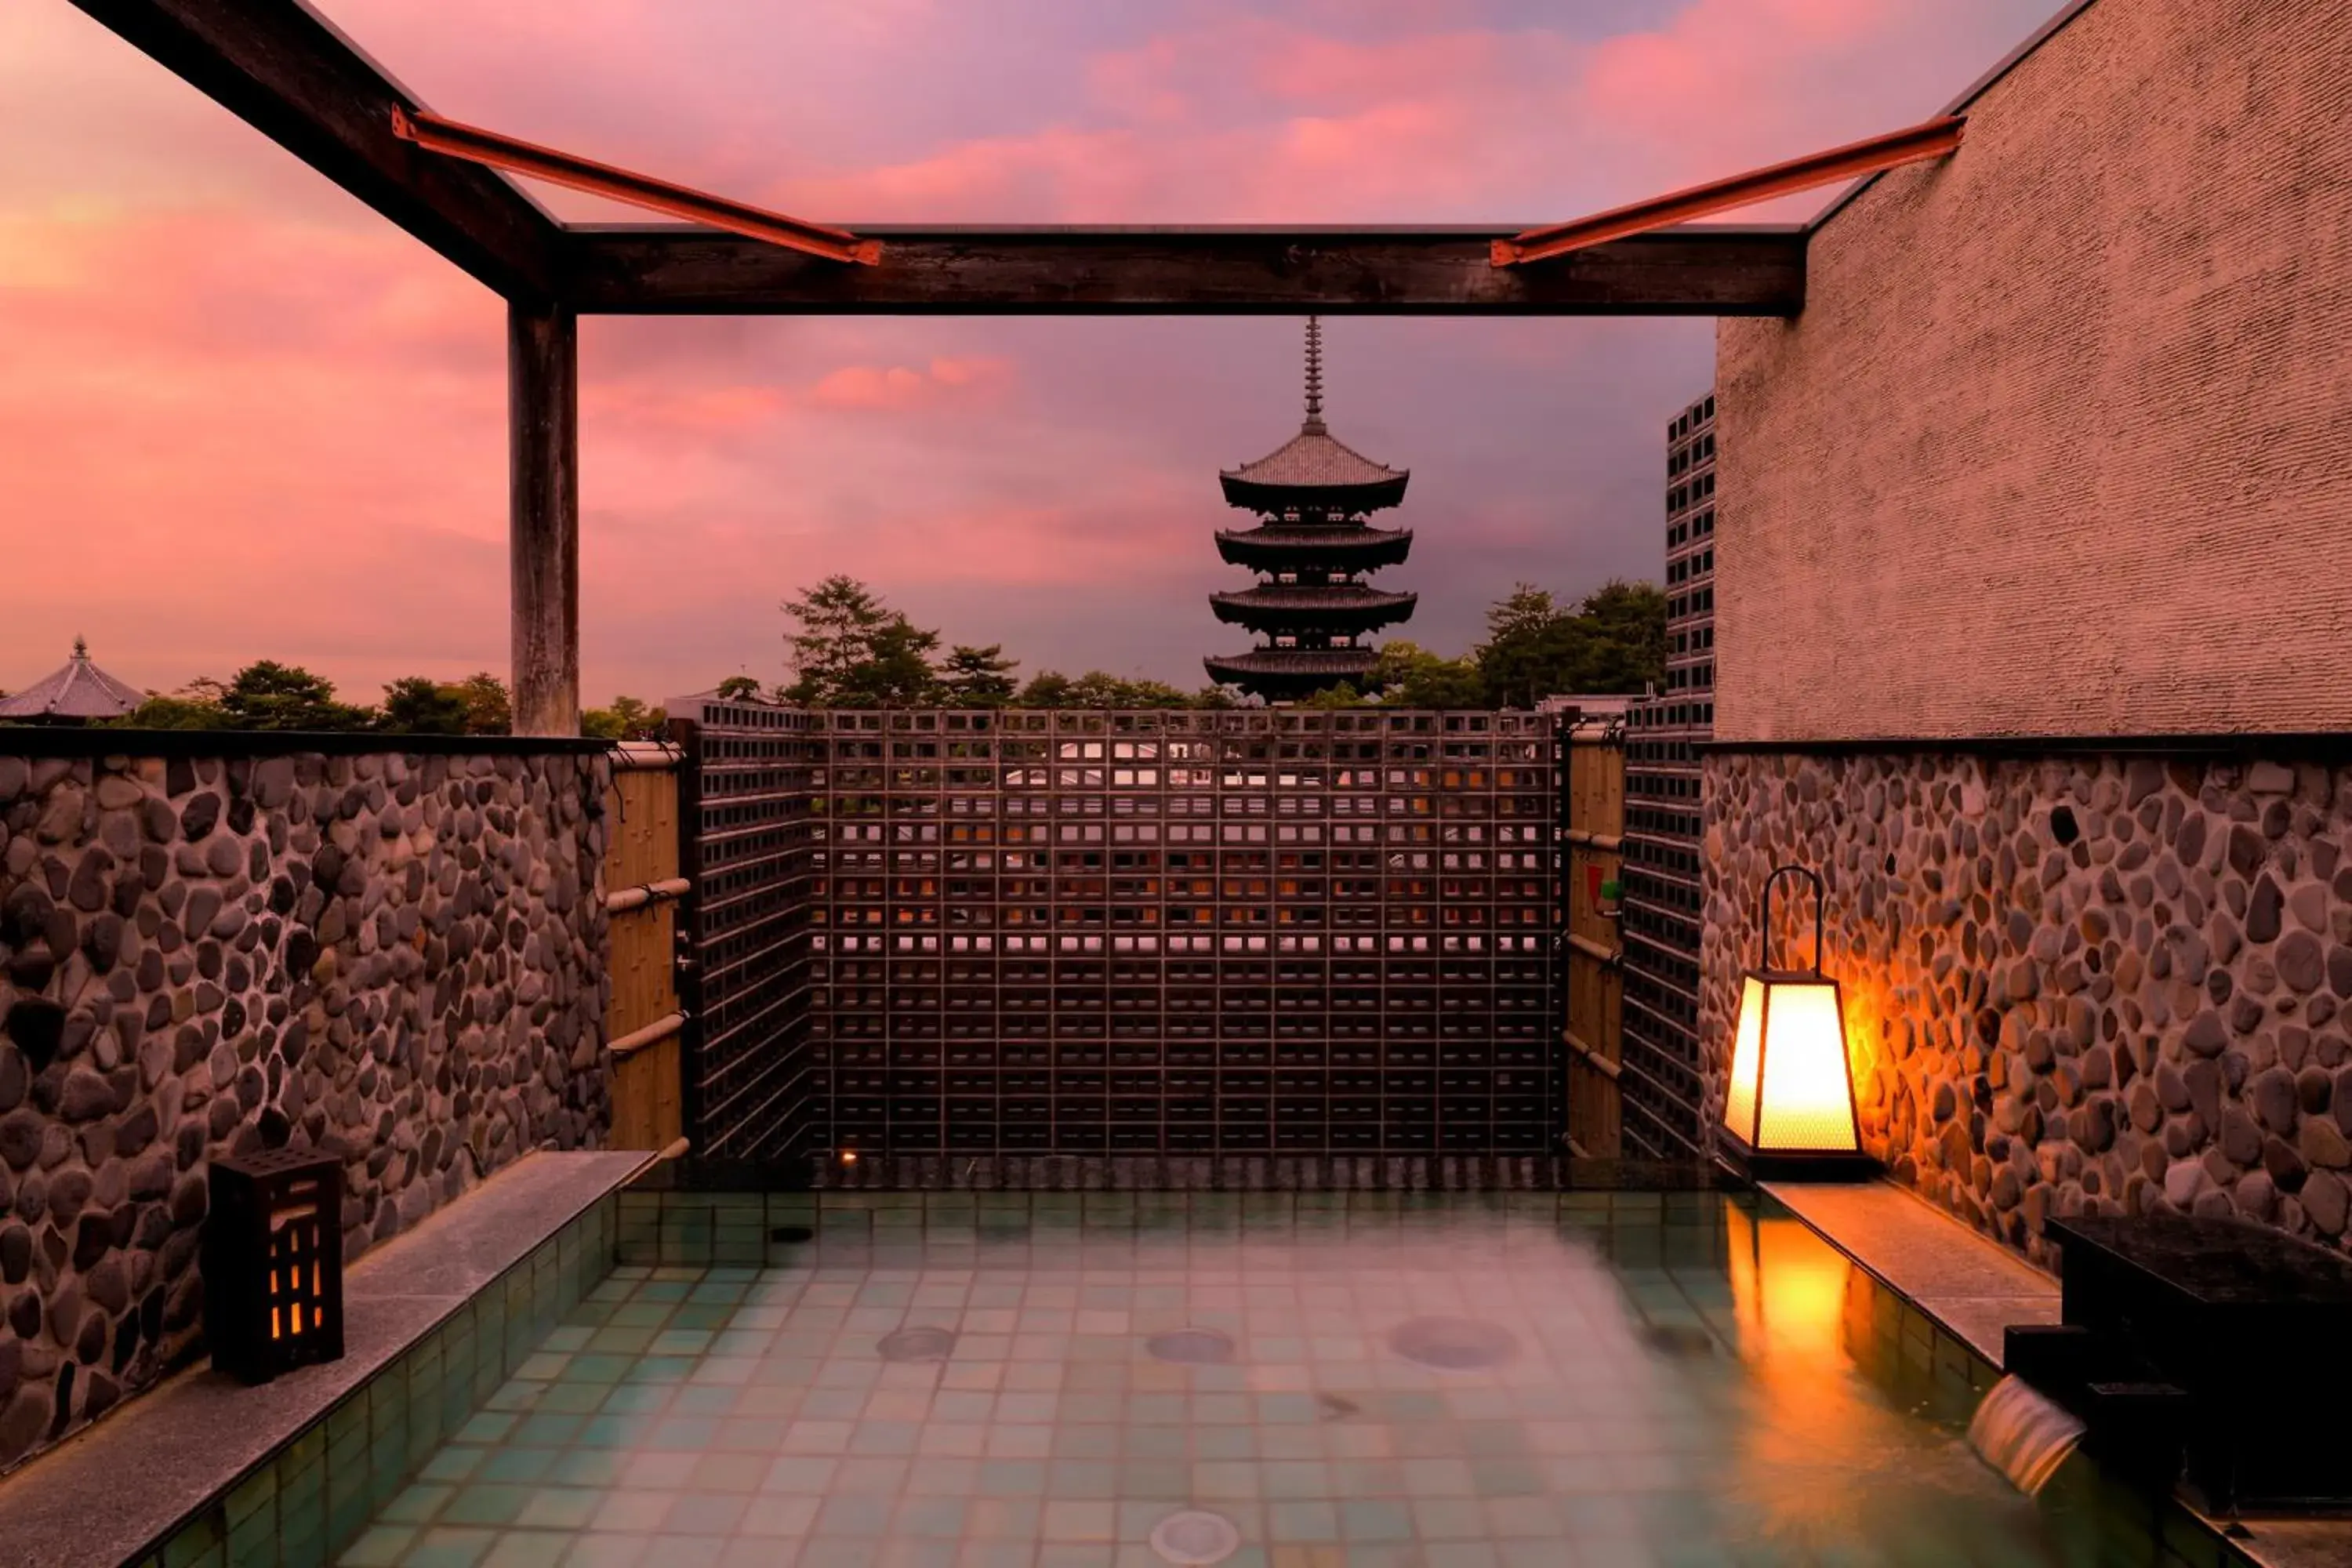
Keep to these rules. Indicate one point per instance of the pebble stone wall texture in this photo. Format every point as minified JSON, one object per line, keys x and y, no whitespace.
{"x":2105,"y":985}
{"x":397,"y":957}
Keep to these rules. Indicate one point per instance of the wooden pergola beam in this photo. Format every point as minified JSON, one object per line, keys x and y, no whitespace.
{"x":453,"y":140}
{"x":1912,"y":145}
{"x":284,"y":70}
{"x":1746,"y":270}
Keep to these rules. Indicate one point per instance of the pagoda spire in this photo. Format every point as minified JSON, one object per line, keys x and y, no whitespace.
{"x":1314,"y":424}
{"x":1311,"y":548}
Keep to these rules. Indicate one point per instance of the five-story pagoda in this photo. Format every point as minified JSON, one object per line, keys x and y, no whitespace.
{"x":1312,"y":549}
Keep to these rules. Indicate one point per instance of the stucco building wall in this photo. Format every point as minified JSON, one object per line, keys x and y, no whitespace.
{"x":2057,"y":446}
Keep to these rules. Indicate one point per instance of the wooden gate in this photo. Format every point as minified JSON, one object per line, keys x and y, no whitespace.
{"x":1592,"y":811}
{"x":644,"y":1021}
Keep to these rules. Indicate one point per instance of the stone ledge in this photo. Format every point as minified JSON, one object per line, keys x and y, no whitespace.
{"x":187,"y":1441}
{"x":67,"y":740}
{"x":1970,"y":1284}
{"x":2240,"y":744}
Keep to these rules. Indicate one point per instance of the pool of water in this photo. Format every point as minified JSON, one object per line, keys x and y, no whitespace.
{"x":1379,"y":1380}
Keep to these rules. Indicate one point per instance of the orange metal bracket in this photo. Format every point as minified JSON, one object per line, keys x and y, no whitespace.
{"x":1913,"y":144}
{"x":446,"y":136}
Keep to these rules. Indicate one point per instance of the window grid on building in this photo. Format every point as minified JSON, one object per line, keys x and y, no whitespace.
{"x":1659,"y":1078}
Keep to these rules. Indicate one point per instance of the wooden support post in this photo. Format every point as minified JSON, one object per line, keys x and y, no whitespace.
{"x":543,"y":521}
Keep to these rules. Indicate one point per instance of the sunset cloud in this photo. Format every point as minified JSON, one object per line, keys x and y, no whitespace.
{"x":240,"y":416}
{"x":900,"y":387}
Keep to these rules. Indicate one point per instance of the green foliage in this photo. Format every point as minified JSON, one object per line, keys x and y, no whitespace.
{"x":489,"y":710}
{"x":1097,"y":688}
{"x":1409,"y":676}
{"x":172,"y":711}
{"x":978,"y":676}
{"x":268,"y":695}
{"x":627,"y":719}
{"x":1614,"y":641}
{"x":741,"y":689}
{"x":415,"y":705}
{"x":854,"y":651}
{"x":1343,"y":695}
{"x":1046,"y":689}
{"x":419,"y":705}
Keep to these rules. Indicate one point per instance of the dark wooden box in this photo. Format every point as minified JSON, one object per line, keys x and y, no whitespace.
{"x":273,"y":1263}
{"x":2232,"y":1339}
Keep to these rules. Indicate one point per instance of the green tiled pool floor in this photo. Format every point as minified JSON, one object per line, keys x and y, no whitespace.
{"x":1679,"y":1382}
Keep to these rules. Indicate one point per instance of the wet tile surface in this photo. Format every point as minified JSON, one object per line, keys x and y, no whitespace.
{"x":1451,"y":1381}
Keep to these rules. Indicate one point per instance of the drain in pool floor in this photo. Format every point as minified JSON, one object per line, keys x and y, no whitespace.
{"x":1195,"y":1538}
{"x":917,"y":1344}
{"x":1453,"y":1344}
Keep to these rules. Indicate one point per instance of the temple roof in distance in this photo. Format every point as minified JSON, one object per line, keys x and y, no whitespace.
{"x":1287,"y":672}
{"x":1314,"y":463}
{"x":1280,"y":547}
{"x":1340,"y":606}
{"x":79,"y":692}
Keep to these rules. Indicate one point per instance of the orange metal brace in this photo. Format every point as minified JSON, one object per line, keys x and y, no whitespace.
{"x":1913,"y":144}
{"x":435,"y":134}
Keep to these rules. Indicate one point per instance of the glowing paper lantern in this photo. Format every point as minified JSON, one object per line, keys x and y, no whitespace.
{"x":1789,"y":1106}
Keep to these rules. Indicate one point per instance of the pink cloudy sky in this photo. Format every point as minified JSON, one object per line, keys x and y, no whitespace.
{"x":241,"y":417}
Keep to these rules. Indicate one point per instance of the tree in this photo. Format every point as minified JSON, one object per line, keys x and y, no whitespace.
{"x":1046,"y":689}
{"x":415,"y":705}
{"x":1614,"y":641}
{"x":1100,"y":689}
{"x":175,"y":710}
{"x":627,"y":719}
{"x":898,"y":672}
{"x":741,"y":689}
{"x":978,"y":676}
{"x":489,"y":710}
{"x":1343,"y":695}
{"x":268,"y":695}
{"x":1409,"y":676}
{"x":1628,"y":647}
{"x":854,"y":651}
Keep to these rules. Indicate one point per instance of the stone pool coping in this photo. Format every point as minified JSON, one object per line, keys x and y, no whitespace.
{"x":102,"y":1498}
{"x":1973,"y":1288}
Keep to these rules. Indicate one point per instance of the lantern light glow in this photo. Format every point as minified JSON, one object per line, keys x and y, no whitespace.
{"x":1790,"y":1101}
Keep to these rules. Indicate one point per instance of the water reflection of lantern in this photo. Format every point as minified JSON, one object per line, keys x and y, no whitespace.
{"x":1788,"y":1287}
{"x":273,"y":1263}
{"x":1822,"y":1467}
{"x":1788,"y":1108}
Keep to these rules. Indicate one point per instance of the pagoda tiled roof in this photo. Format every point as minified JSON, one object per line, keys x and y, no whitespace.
{"x":80,"y":690}
{"x":1306,"y":601}
{"x":1330,"y":663}
{"x":1314,"y":463}
{"x":1348,"y":541}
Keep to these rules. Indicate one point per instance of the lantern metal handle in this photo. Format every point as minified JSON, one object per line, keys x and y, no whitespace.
{"x":1764,"y":914}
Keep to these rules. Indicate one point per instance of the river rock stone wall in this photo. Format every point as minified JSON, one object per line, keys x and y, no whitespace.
{"x":2103,"y":984}
{"x":399,"y":958}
